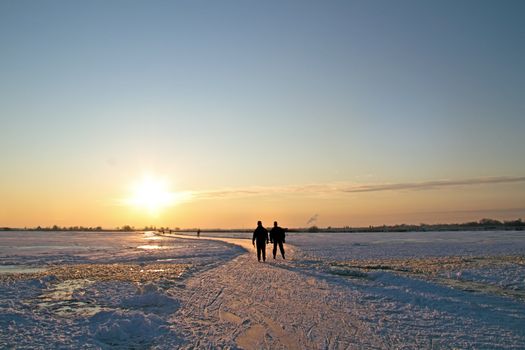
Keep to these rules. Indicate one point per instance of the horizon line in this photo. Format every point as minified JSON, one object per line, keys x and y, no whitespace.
{"x":175,"y":228}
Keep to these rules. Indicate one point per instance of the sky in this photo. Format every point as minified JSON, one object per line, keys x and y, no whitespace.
{"x":216,"y":114}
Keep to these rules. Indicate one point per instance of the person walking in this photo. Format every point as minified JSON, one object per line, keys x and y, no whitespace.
{"x":261,"y":236}
{"x":278,"y":237}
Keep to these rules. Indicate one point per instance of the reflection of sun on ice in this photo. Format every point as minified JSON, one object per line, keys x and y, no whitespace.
{"x":153,"y":195}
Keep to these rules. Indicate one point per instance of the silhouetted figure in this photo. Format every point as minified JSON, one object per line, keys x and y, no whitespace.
{"x":277,"y":236}
{"x":198,"y":232}
{"x":261,"y":236}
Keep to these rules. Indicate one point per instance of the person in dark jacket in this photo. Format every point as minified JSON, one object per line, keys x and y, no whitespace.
{"x":277,"y":236}
{"x":261,"y":236}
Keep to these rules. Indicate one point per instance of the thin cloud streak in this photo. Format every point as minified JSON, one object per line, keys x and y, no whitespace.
{"x":313,"y":219}
{"x":334,"y":188}
{"x":468,"y":211}
{"x":430,"y":185}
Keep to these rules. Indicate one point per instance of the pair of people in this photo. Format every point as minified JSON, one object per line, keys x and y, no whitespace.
{"x":277,"y":237}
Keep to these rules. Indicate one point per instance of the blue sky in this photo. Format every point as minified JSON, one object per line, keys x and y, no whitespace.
{"x":274,"y":93}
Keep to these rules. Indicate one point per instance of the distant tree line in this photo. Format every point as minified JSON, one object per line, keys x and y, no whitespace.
{"x":481,"y":225}
{"x":54,"y":228}
{"x":125,"y":228}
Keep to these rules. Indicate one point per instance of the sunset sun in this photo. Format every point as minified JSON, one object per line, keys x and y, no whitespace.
{"x":154,"y":195}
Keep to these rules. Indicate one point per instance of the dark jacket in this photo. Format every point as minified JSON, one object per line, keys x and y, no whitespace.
{"x":260,"y":234}
{"x":277,"y":234}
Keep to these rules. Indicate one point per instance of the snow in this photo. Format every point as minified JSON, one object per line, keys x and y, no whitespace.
{"x":334,"y":291}
{"x":150,"y":298}
{"x":125,"y":329}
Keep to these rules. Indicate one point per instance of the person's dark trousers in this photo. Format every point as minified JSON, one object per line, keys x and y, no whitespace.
{"x":261,"y":248}
{"x":281,"y":248}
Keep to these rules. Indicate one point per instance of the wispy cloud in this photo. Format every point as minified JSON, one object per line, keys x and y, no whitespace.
{"x":312,"y":220}
{"x":430,"y":185}
{"x":333,"y":188}
{"x":496,"y":211}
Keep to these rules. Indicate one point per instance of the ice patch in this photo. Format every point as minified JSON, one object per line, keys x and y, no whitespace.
{"x":126,"y":329}
{"x":12,"y":319}
{"x":150,"y":298}
{"x":20,"y":269}
{"x":44,"y":282}
{"x":341,"y":271}
{"x":152,"y":246}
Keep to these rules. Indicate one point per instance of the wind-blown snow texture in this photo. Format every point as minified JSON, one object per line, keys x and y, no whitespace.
{"x":335,"y":291}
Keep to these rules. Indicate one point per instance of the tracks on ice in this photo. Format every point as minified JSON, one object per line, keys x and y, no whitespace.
{"x":251,"y":305}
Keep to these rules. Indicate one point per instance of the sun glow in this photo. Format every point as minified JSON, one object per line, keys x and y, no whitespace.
{"x":153,"y":195}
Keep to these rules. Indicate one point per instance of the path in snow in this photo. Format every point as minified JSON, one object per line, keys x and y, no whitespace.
{"x":296,"y":304}
{"x":247,"y":304}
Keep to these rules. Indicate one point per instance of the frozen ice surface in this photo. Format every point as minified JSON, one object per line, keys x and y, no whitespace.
{"x":150,"y":298}
{"x":444,"y":290}
{"x":126,"y":329}
{"x":384,"y":245}
{"x":37,"y":249}
{"x":95,"y":290}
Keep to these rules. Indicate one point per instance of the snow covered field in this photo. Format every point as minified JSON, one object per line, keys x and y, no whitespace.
{"x":334,"y":291}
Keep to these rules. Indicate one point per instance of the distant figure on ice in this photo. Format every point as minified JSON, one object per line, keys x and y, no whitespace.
{"x":277,"y":236}
{"x":261,"y":235}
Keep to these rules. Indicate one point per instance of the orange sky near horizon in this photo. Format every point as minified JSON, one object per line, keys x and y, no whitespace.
{"x":242,"y":207}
